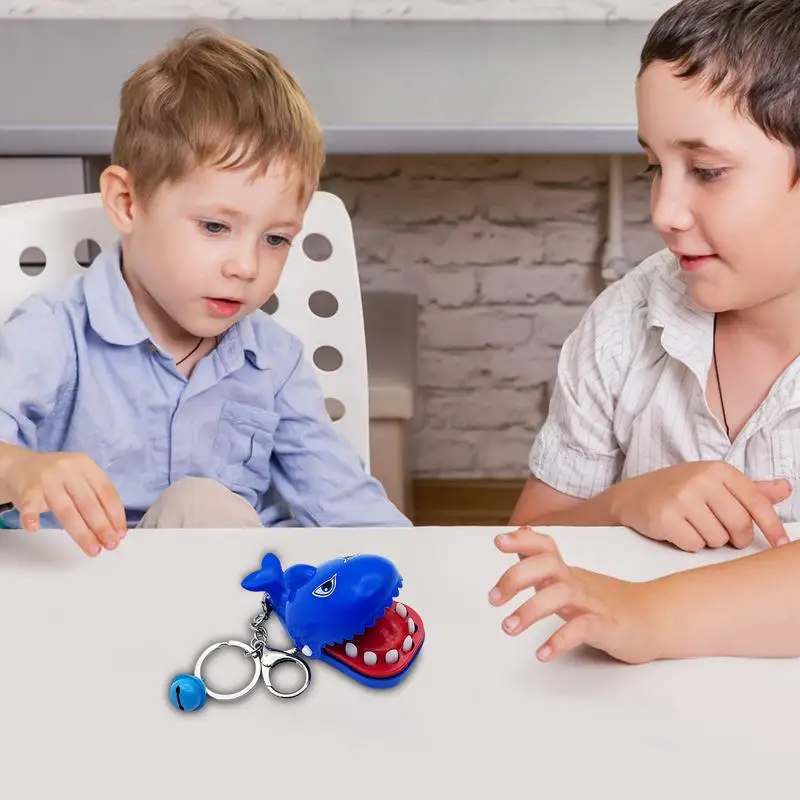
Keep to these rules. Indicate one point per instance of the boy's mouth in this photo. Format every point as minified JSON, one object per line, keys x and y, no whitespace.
{"x":693,"y":263}
{"x":222,"y":306}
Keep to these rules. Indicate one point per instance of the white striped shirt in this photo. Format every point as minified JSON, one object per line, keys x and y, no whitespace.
{"x":630,"y":395}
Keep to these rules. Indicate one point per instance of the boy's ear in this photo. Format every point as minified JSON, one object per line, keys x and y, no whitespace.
{"x":116,"y":189}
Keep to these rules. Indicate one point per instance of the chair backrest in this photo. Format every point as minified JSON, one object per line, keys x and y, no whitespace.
{"x":318,"y":299}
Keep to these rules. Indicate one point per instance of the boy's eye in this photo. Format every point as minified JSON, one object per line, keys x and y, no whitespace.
{"x":651,"y":171}
{"x":708,"y":175}
{"x":274,"y":240}
{"x":704,"y":175}
{"x":213,"y":227}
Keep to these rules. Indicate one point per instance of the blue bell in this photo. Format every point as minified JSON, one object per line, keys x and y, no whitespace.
{"x":187,"y":692}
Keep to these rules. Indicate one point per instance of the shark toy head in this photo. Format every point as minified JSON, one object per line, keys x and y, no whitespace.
{"x":344,"y":612}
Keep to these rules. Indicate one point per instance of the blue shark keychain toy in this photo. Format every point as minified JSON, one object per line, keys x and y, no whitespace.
{"x":342,"y":612}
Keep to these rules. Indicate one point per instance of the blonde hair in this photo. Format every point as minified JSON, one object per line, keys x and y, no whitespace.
{"x":210,"y":99}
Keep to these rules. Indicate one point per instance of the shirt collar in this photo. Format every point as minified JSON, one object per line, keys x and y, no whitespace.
{"x":112,"y":312}
{"x":239,"y":342}
{"x":113,"y":315}
{"x":686,"y":330}
{"x":247,"y":333}
{"x":687,"y":334}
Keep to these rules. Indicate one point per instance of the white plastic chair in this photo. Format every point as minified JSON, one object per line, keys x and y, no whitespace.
{"x":318,"y":298}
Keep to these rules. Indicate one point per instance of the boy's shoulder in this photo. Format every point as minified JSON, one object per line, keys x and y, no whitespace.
{"x":54,"y":304}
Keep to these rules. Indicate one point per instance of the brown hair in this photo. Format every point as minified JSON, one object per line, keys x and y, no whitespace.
{"x":213,"y":100}
{"x":747,"y":50}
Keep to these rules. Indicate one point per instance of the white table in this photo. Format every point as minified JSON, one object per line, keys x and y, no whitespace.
{"x":91,"y":645}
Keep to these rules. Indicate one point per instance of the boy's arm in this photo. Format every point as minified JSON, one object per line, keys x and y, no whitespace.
{"x":540,"y":504}
{"x":749,"y":606}
{"x":35,"y":367}
{"x":315,"y":470}
{"x":576,"y":457}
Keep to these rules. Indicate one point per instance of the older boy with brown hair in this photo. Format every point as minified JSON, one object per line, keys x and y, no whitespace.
{"x":161,"y":395}
{"x":677,"y":404}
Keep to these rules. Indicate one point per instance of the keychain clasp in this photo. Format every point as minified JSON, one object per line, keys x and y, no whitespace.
{"x":272,"y":658}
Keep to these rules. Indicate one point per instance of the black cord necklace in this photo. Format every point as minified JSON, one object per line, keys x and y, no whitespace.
{"x":719,"y":385}
{"x":192,"y":352}
{"x":195,"y":348}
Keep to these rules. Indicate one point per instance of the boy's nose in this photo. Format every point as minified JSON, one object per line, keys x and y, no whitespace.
{"x":670,"y":211}
{"x":244,"y":267}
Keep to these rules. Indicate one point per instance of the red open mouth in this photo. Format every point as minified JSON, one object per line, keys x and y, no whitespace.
{"x":387,"y":647}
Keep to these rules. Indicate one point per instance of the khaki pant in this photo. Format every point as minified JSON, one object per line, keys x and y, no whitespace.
{"x":200,"y":503}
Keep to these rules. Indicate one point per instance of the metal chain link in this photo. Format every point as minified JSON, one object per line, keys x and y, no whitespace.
{"x":258,"y":625}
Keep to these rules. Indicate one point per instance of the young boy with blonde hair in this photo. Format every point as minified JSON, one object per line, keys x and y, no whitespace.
{"x":676,"y":409}
{"x":152,"y":390}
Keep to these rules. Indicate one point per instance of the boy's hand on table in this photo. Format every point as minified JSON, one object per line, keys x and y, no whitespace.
{"x":74,"y":488}
{"x":603,"y":612}
{"x":701,"y":504}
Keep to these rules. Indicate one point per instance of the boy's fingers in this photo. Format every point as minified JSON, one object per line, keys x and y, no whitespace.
{"x":709,"y":527}
{"x":684,"y":535}
{"x":526,"y":542}
{"x":29,"y":510}
{"x":543,"y":604}
{"x":733,"y":516}
{"x":61,"y":504}
{"x":530,"y":573}
{"x":761,"y":510}
{"x":569,"y":636}
{"x":776,"y":490}
{"x":111,"y":501}
{"x":30,"y":520}
{"x":92,"y":512}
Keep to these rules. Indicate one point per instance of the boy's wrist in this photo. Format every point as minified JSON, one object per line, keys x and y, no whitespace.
{"x":614,"y":501}
{"x":654,"y":616}
{"x":6,"y":460}
{"x":9,"y":457}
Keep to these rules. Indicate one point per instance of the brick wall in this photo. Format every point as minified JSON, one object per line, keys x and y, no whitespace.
{"x":503,"y":253}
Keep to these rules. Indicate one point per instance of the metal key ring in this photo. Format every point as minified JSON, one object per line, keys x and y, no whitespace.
{"x":272,"y":658}
{"x":241,"y":692}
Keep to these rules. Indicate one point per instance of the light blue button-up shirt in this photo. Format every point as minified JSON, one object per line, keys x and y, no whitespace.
{"x":80,"y":372}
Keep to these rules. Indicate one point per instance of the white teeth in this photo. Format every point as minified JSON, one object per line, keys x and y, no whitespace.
{"x":412,"y":626}
{"x":306,"y":651}
{"x":351,"y":650}
{"x":392,"y":656}
{"x":370,"y":659}
{"x":401,"y":610}
{"x":408,"y":643}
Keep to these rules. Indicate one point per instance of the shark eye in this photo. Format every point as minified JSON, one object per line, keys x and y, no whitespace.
{"x":325,"y":589}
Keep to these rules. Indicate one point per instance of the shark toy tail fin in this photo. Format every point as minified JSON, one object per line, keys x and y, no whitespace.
{"x":269,"y":578}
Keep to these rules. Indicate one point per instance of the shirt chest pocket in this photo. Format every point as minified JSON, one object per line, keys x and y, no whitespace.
{"x":243,"y":446}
